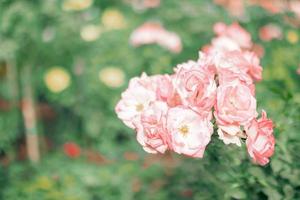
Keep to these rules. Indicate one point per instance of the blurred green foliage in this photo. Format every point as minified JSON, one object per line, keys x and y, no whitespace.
{"x":41,"y":34}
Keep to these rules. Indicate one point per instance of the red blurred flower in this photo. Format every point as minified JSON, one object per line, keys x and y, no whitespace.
{"x":72,"y":150}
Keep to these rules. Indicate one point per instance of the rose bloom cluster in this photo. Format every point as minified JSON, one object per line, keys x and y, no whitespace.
{"x":178,"y":112}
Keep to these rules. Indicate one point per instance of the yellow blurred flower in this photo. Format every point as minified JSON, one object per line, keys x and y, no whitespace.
{"x":112,"y":77}
{"x":113,"y":19}
{"x":76,"y":4}
{"x":57,"y":79}
{"x":292,"y":37}
{"x":90,"y":32}
{"x":43,"y":182}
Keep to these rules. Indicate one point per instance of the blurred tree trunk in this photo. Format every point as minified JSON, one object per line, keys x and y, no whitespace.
{"x":13,"y":83}
{"x":29,"y":115}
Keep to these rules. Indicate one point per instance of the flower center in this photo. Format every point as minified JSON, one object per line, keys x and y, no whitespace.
{"x":233,"y":103}
{"x":139,"y":107}
{"x":184,"y":130}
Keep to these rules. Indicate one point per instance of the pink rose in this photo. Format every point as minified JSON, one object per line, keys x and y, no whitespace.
{"x":196,"y":86}
{"x":171,"y":41}
{"x":223,"y":43}
{"x":295,"y":7}
{"x":220,"y":28}
{"x":135,"y":99}
{"x":240,"y":35}
{"x":232,"y":66}
{"x":235,"y":107}
{"x":255,"y":70}
{"x":151,"y":129}
{"x":237,"y":65}
{"x":154,"y":33}
{"x":165,"y":90}
{"x":142,"y":81}
{"x":235,"y":32}
{"x":235,"y":104}
{"x":230,"y":134}
{"x":146,"y":34}
{"x":207,"y":62}
{"x":270,"y":32}
{"x":190,"y":133}
{"x":260,"y":141}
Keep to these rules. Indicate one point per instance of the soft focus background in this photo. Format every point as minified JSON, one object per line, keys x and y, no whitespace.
{"x":63,"y":66}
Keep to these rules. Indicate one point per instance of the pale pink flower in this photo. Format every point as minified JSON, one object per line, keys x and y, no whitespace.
{"x":219,"y":28}
{"x":235,"y":104}
{"x":146,"y":34}
{"x":165,"y":90}
{"x":260,"y":141}
{"x":148,"y":82}
{"x":164,"y":86}
{"x":235,"y":32}
{"x":295,"y":7}
{"x":298,"y":70}
{"x":207,"y":61}
{"x":151,"y":129}
{"x":222,"y":43}
{"x":134,"y":100}
{"x":255,"y":70}
{"x":232,"y":66}
{"x":170,"y":41}
{"x":154,"y":33}
{"x":230,"y":134}
{"x":235,"y":107}
{"x":190,"y":133}
{"x":196,"y":86}
{"x":229,"y":38}
{"x":270,"y":32}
